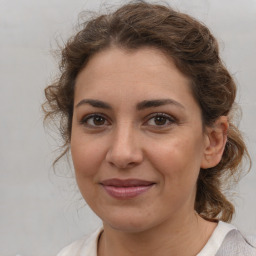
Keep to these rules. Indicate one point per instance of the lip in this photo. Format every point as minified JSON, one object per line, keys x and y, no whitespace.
{"x":126,"y":189}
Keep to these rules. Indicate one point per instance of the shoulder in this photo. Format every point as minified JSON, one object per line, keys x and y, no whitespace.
{"x":85,"y":246}
{"x":226,"y":240}
{"x":237,"y":244}
{"x":252,"y":240}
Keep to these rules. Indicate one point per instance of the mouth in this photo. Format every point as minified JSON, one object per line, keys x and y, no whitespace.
{"x":126,"y":189}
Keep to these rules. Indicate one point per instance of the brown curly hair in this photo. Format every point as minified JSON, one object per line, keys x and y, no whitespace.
{"x":195,"y":52}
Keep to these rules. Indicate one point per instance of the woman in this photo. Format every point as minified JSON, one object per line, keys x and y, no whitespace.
{"x":145,"y":106}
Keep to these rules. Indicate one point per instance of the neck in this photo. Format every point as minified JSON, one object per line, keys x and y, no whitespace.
{"x":184,"y":236}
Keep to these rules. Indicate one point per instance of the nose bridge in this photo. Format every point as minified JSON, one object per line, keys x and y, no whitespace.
{"x":125,"y":150}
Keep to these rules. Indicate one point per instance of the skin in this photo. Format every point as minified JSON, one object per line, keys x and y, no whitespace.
{"x":125,"y":141}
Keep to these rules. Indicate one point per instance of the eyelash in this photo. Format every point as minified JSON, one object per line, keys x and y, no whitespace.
{"x":85,"y":120}
{"x":171,"y":120}
{"x":167,"y":118}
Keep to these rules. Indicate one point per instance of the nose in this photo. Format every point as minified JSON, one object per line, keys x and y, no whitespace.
{"x":125,"y":150}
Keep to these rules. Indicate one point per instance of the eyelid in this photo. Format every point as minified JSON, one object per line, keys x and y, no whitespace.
{"x":169,"y":117}
{"x":85,"y":118}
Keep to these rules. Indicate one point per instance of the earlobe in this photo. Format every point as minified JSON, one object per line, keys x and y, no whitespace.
{"x":215,"y":141}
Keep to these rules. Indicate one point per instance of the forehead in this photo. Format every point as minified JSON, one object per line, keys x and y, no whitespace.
{"x":119,"y":60}
{"x":118,"y":74}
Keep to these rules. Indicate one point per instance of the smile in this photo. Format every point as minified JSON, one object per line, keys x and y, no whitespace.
{"x":126,"y":189}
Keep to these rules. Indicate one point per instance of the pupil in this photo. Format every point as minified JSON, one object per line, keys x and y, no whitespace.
{"x":98,"y":120}
{"x":159,"y":120}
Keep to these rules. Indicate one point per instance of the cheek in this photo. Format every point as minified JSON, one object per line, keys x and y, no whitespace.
{"x":86,"y":160}
{"x":177,"y":159}
{"x":86,"y":156}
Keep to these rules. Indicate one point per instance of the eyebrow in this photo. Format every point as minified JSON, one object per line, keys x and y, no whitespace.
{"x":94,"y":103}
{"x":140,"y":106}
{"x":157,"y":103}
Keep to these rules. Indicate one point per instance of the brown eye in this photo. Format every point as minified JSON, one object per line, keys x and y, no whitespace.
{"x":160,"y":120}
{"x":98,"y":120}
{"x":94,"y":120}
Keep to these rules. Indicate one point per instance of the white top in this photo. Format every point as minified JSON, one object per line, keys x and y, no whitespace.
{"x":216,"y":239}
{"x":221,"y":243}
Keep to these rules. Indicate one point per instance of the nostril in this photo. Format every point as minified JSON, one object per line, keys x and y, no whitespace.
{"x":125,"y":151}
{"x":122,"y":165}
{"x":124,"y":161}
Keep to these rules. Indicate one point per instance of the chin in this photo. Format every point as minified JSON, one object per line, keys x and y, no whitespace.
{"x":128,"y":223}
{"x":128,"y":227}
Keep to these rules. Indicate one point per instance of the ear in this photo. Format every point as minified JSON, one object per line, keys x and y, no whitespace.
{"x":215,"y":141}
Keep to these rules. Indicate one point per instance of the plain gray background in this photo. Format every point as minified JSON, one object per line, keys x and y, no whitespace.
{"x":40,"y":211}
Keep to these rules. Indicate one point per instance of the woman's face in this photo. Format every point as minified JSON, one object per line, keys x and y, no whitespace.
{"x":137,"y":142}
